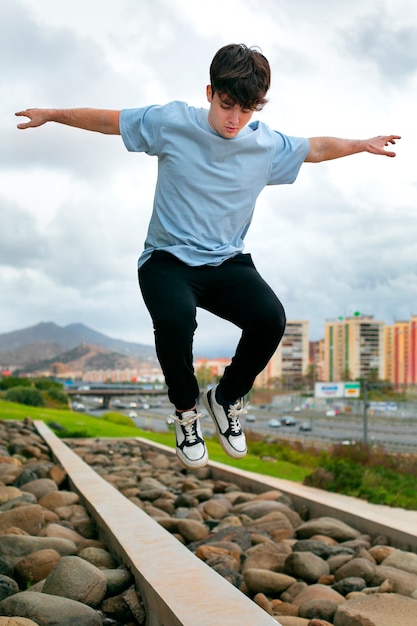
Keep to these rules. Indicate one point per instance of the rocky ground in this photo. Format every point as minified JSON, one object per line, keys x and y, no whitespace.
{"x":303,"y":572}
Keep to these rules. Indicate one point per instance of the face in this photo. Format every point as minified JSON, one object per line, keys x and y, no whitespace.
{"x":224,"y":117}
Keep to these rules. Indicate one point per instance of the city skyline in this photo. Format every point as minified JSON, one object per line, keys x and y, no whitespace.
{"x":74,"y":207}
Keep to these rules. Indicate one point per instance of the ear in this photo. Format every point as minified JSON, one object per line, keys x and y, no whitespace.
{"x":209,"y":93}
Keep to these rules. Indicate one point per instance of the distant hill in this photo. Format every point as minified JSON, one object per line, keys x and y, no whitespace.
{"x":47,"y":341}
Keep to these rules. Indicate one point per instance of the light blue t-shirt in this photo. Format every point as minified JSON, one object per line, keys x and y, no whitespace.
{"x":207,"y":185}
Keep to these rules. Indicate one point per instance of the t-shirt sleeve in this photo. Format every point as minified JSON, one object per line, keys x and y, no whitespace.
{"x":289,"y":155}
{"x":140,"y":128}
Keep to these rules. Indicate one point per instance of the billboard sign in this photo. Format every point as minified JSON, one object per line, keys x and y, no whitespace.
{"x":337,"y":390}
{"x":329,"y":390}
{"x":352,"y":390}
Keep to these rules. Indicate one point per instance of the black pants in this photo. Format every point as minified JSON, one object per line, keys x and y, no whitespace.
{"x":234,"y":291}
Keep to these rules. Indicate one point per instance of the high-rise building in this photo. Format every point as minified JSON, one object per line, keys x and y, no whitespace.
{"x":291,"y":359}
{"x":354,"y":348}
{"x":401,"y":352}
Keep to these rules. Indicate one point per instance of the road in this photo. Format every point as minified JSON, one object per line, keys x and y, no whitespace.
{"x":392,"y":432}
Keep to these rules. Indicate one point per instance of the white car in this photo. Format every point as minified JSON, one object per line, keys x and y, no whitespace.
{"x":274,"y":423}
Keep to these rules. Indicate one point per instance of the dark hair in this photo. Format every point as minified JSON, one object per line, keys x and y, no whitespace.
{"x":241,"y":73}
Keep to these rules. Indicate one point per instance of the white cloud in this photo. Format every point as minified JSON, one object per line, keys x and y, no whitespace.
{"x":74,"y":207}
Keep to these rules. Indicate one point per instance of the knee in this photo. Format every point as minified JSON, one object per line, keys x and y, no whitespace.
{"x":273,"y":321}
{"x":175,"y":322}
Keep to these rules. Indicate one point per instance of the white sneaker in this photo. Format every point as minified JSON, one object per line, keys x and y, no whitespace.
{"x":190,"y":448}
{"x":226,"y":420}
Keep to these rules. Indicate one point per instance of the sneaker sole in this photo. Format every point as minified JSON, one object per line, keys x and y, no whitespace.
{"x":235,"y":454}
{"x":192,"y":464}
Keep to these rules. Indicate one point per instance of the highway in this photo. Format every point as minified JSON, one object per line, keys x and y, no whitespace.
{"x":390,"y":431}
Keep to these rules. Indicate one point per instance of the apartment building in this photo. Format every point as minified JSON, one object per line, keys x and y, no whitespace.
{"x":291,"y":359}
{"x":401,"y":352}
{"x":354,"y":348}
{"x":316,"y":358}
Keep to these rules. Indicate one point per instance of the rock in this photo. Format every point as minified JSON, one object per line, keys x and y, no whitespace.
{"x":40,"y":487}
{"x":23,"y":498}
{"x":271,"y":556}
{"x":58,"y":530}
{"x":329,"y":526}
{"x":261,"y":600}
{"x":402,"y":582}
{"x":291,"y":620}
{"x":16,"y":621}
{"x":8,"y":587}
{"x":406,"y":561}
{"x":276,"y":524}
{"x":322,"y":549}
{"x":318,"y":609}
{"x":264,"y":581}
{"x":260,"y":508}
{"x":293,"y":590}
{"x":334,"y":562}
{"x":6,"y":568}
{"x":56,"y":499}
{"x":27,"y":518}
{"x":306,"y":565}
{"x":98,"y":557}
{"x":8,"y":493}
{"x":135,"y":605}
{"x":15,"y":547}
{"x":350,"y":584}
{"x":48,"y":610}
{"x":377,"y":610}
{"x":78,"y":580}
{"x":192,"y":530}
{"x":77,"y":515}
{"x":36,"y":566}
{"x":57,"y":474}
{"x":361,"y":568}
{"x":214,"y":509}
{"x":117,"y":580}
{"x":317,"y":592}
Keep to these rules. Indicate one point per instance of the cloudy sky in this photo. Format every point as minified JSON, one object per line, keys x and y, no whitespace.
{"x":74,"y":206}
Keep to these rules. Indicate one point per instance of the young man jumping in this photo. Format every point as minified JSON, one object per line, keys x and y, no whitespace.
{"x":212,"y":165}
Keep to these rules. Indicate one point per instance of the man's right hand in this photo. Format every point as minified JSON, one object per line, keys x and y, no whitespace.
{"x":37,"y":117}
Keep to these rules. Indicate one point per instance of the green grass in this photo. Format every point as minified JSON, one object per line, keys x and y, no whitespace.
{"x":251,"y":462}
{"x":117,"y":425}
{"x":114,"y":425}
{"x":359,"y":471}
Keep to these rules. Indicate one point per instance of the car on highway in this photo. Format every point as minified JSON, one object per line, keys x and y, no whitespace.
{"x":274,"y":423}
{"x":250,"y":417}
{"x":78,"y":406}
{"x":305,"y":426}
{"x":288,"y":420}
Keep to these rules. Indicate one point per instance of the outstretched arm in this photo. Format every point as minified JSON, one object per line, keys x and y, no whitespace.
{"x":327,"y":148}
{"x":98,"y":120}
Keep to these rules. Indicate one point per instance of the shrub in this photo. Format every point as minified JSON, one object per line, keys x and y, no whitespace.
{"x":57,"y":396}
{"x":25,"y":395}
{"x":46,"y":384}
{"x":14,"y":381}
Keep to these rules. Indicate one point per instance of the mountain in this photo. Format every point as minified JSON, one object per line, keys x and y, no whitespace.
{"x":46,"y":341}
{"x":84,"y":358}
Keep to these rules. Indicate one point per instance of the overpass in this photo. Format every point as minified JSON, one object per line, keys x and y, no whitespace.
{"x":108,"y":391}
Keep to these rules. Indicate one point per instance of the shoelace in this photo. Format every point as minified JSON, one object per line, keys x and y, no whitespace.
{"x":189,"y":426}
{"x":235,"y":410}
